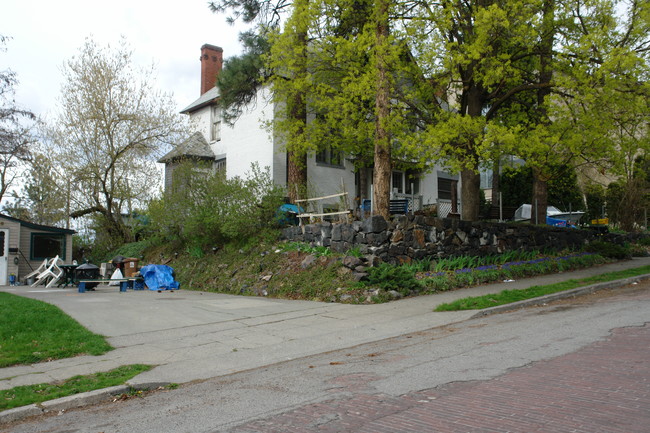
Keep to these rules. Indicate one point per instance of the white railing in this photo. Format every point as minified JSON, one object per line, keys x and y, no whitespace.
{"x":319,"y":213}
{"x":444,"y":207}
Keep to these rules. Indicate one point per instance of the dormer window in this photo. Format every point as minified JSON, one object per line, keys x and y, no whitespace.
{"x":215,"y":130}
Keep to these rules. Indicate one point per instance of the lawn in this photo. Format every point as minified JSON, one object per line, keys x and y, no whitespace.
{"x":29,"y":394}
{"x":510,"y":296}
{"x":32,"y":331}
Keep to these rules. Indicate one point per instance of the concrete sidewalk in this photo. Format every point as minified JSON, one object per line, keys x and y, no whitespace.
{"x":197,"y":335}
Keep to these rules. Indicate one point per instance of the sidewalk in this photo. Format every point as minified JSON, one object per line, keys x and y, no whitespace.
{"x":197,"y":335}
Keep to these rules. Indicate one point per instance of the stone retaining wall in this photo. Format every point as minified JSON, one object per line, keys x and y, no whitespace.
{"x":412,"y":237}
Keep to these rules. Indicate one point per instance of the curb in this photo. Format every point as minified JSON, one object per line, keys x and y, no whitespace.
{"x":74,"y":401}
{"x":543,"y":300}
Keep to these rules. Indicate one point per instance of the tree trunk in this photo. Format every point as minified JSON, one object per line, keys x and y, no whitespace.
{"x":296,"y":156}
{"x":540,"y":181}
{"x":540,"y":198}
{"x":296,"y":176}
{"x":470,"y":194}
{"x":382,"y":159}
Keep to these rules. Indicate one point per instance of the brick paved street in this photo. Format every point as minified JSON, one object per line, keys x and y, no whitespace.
{"x":604,"y":387}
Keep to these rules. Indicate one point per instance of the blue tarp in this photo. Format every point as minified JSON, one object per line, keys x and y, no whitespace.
{"x":287,"y":214}
{"x":558,"y":222}
{"x":159,"y":277}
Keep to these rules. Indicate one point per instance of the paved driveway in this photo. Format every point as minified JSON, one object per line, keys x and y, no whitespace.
{"x":193,"y":335}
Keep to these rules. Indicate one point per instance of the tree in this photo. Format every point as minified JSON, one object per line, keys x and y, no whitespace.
{"x":44,"y":195}
{"x":355,"y":64}
{"x":110,"y":125}
{"x":563,"y":191}
{"x":15,"y":130}
{"x":243,"y":75}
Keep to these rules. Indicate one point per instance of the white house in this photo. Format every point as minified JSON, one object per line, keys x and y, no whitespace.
{"x":235,"y":148}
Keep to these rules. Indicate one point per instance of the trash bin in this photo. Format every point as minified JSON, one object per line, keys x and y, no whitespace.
{"x":87,"y":271}
{"x":130,"y":266}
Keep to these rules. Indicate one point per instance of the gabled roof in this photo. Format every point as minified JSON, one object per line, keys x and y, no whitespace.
{"x":206,"y":99}
{"x":39,"y":227}
{"x":194,"y":147}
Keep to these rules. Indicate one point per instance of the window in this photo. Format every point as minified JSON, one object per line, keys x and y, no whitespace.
{"x":330,"y":156}
{"x":47,"y":245}
{"x":397,"y":182}
{"x":414,"y":182}
{"x":444,"y":188}
{"x":403,"y":181}
{"x":486,"y":178}
{"x":215,"y":132}
{"x":220,"y":165}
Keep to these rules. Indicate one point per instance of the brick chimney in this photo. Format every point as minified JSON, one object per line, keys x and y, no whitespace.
{"x":211,"y":62}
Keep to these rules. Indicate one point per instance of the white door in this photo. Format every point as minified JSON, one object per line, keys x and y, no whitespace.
{"x":4,"y":255}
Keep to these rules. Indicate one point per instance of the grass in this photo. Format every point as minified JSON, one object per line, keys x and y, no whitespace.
{"x":510,"y":296}
{"x":32,"y":331}
{"x":29,"y":394}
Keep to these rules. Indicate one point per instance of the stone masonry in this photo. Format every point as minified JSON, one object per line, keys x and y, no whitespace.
{"x":414,"y":237}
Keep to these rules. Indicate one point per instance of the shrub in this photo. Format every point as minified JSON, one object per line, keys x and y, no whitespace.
{"x":609,"y":250}
{"x":204,"y":209}
{"x":388,"y":277}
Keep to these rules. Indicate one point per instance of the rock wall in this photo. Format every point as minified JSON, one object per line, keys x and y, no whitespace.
{"x":412,"y":237}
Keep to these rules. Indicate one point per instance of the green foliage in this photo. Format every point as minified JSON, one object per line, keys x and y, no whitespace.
{"x":30,"y":394}
{"x":389,"y":277}
{"x":463,"y":262}
{"x":527,"y":266}
{"x":205,"y":210}
{"x":82,"y":248}
{"x":355,"y":252}
{"x":563,"y":191}
{"x":637,"y":250}
{"x":133,"y":249}
{"x":242,"y":76}
{"x":628,"y":202}
{"x":317,"y":250}
{"x":25,"y":339}
{"x":610,"y":250}
{"x":595,"y":198}
{"x":509,"y":296}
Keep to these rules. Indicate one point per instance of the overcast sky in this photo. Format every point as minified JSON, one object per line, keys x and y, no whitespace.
{"x":168,"y":33}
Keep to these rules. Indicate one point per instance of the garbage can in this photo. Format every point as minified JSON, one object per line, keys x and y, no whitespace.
{"x":130,"y":266}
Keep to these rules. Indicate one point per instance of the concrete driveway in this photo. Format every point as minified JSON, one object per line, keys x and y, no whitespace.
{"x":192,"y":335}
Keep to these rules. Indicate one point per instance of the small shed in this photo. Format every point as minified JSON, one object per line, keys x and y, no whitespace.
{"x":24,"y":246}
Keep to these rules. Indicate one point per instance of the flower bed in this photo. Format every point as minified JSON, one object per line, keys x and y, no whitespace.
{"x":466,"y":277}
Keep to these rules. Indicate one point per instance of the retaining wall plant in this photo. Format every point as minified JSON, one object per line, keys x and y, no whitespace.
{"x":414,"y":237}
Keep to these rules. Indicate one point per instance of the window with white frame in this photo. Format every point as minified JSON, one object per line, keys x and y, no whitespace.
{"x":215,"y":131}
{"x":405,"y":182}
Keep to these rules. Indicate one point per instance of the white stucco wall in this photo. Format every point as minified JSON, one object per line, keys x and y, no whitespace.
{"x":245,"y":142}
{"x":324,"y":180}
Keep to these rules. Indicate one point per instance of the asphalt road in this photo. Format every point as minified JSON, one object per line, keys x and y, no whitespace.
{"x":578,"y":365}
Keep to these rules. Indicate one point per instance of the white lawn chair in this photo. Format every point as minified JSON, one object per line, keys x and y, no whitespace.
{"x":51,"y":275}
{"x":38,"y":270}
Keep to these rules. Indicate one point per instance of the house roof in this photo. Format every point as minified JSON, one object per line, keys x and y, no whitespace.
{"x":195,"y":146}
{"x":205,"y":99}
{"x":39,"y":226}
